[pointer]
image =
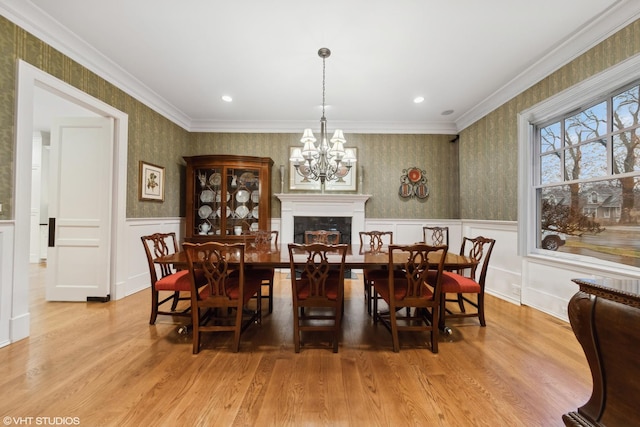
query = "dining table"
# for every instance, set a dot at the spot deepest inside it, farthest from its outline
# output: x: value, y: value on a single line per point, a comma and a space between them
x: 358, y: 257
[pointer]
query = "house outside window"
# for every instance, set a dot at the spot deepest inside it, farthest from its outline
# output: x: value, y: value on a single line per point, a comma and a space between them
x: 586, y: 179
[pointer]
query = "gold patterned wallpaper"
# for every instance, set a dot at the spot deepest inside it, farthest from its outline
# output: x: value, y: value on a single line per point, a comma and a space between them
x: 489, y: 147
x: 474, y: 178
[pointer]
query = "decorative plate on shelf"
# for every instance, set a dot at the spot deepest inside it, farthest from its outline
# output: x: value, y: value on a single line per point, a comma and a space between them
x: 228, y: 212
x: 206, y: 196
x: 215, y: 179
x: 242, y: 196
x: 219, y: 196
x: 242, y: 211
x: 247, y: 178
x: 204, y: 211
x: 255, y: 196
x: 255, y: 212
x: 254, y: 226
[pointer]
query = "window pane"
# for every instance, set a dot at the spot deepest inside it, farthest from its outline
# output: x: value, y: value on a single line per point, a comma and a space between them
x: 597, y: 219
x: 550, y: 169
x: 626, y: 151
x: 550, y: 138
x: 587, y: 160
x: 625, y: 109
x: 586, y: 125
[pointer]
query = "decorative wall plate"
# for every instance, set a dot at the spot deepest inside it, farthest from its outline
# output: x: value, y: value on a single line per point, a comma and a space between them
x: 414, y: 175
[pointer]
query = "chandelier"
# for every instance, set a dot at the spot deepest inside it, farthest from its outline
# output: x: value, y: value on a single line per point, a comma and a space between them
x: 323, y: 162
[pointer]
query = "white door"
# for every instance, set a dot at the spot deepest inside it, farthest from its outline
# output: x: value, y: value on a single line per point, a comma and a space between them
x: 80, y: 192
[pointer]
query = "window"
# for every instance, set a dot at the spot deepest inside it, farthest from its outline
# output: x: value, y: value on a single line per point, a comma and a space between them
x: 586, y: 185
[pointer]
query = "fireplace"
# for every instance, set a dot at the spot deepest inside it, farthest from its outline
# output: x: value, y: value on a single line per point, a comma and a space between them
x: 303, y: 223
x: 325, y: 210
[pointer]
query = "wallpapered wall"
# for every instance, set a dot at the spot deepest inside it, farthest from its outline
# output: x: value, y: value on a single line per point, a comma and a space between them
x: 383, y: 157
x: 152, y: 137
x: 484, y: 186
x: 488, y: 148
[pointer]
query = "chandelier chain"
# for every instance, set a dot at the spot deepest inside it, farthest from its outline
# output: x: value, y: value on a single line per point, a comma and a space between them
x: 323, y: 84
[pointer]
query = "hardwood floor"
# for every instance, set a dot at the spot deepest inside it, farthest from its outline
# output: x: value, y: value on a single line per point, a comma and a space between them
x: 103, y: 363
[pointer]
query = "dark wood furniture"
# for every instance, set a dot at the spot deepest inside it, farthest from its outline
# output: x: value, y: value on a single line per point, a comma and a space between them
x: 479, y: 248
x: 416, y: 287
x: 227, y: 196
x: 374, y: 241
x: 227, y: 287
x: 317, y: 291
x: 435, y: 235
x: 164, y: 277
x: 606, y: 322
x: 356, y: 258
x: 329, y: 237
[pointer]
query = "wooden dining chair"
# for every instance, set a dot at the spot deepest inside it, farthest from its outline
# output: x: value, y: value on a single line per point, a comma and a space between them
x: 329, y: 237
x: 227, y: 287
x: 374, y: 242
x: 318, y: 290
x: 415, y: 289
x: 470, y: 281
x: 265, y: 240
x: 165, y: 278
x: 435, y: 235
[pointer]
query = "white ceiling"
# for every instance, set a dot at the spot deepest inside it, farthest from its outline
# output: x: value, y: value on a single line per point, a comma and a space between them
x: 468, y: 56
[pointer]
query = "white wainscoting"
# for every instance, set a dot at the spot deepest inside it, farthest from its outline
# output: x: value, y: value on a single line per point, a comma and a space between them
x: 6, y: 282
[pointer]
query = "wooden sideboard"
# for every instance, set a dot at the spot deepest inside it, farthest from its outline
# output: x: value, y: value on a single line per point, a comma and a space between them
x: 606, y: 322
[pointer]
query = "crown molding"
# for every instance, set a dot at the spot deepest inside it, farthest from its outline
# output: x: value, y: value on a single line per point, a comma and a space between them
x: 447, y: 128
x: 618, y: 16
x: 35, y: 21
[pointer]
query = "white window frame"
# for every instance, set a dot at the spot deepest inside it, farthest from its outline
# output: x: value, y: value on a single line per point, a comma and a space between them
x: 577, y: 96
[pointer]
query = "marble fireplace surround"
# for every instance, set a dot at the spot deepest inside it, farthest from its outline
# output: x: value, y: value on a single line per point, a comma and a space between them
x: 321, y: 205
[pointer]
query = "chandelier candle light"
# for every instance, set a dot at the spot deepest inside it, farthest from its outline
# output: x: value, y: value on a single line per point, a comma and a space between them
x: 321, y: 162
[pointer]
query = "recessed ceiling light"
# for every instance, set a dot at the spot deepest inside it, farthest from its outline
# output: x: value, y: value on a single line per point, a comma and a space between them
x: 418, y: 99
x: 447, y: 112
x: 227, y: 98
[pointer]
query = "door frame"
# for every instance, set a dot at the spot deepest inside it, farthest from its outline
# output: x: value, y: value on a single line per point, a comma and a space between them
x: 28, y: 78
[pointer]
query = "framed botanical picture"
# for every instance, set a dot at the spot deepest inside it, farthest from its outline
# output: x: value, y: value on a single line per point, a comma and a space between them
x: 151, y: 182
x: 298, y: 181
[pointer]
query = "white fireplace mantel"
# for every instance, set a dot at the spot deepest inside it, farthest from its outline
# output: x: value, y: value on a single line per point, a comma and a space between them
x: 328, y: 205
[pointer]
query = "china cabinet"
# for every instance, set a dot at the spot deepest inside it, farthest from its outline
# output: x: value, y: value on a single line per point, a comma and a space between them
x: 227, y: 196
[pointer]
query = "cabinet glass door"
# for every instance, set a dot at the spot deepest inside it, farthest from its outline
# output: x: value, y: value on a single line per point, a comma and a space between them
x: 243, y: 195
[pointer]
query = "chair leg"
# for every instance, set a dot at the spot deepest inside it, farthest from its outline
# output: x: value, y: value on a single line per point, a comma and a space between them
x: 394, y: 330
x: 271, y: 296
x: 461, y: 303
x: 195, y: 321
x: 375, y: 306
x: 435, y: 320
x: 176, y: 298
x: 238, y: 328
x: 481, y: 310
x: 154, y: 306
x: 296, y: 329
x: 336, y: 331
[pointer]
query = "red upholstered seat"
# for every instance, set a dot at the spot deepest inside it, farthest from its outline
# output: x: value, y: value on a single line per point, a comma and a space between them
x: 454, y: 283
x: 179, y: 281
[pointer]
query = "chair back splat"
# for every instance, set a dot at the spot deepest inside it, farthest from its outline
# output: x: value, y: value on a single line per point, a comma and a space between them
x: 228, y: 288
x: 471, y: 281
x: 318, y: 291
x: 417, y: 288
x: 329, y: 237
x: 435, y: 235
